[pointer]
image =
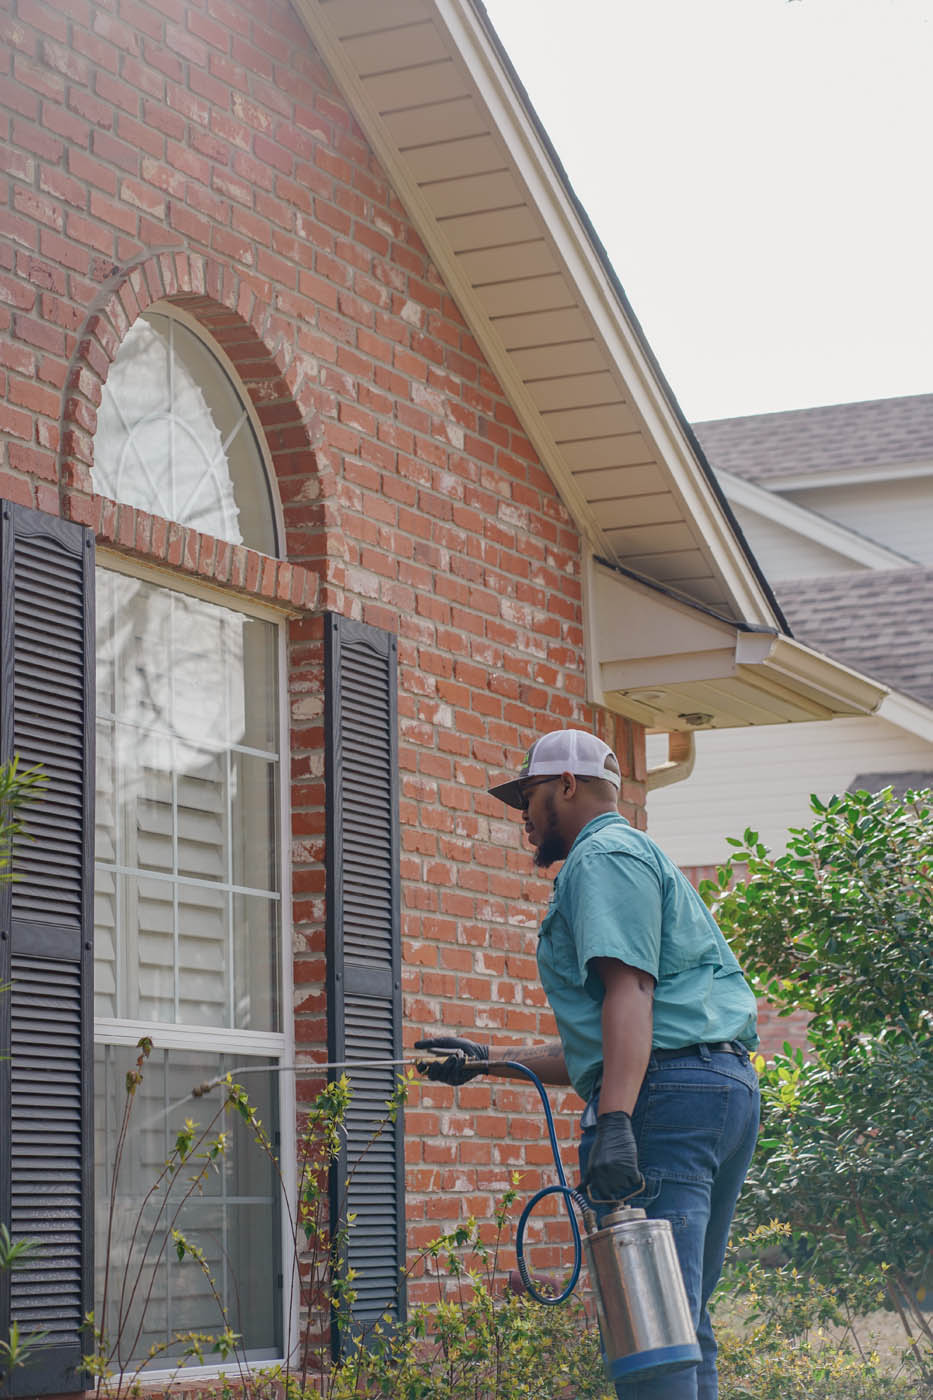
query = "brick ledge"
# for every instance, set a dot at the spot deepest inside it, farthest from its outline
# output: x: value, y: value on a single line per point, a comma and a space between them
x: 154, y: 540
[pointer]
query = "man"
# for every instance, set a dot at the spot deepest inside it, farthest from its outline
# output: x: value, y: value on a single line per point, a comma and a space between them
x: 655, y: 1020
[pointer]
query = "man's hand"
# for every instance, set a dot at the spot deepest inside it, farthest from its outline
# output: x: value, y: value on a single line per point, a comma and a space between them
x: 466, y: 1061
x: 612, y: 1172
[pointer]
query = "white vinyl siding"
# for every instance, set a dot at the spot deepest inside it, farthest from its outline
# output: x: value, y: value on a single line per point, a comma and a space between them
x: 762, y: 777
x: 783, y: 553
x: 897, y: 514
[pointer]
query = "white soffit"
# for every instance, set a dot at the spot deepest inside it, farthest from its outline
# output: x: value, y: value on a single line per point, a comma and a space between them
x: 436, y: 103
x: 671, y: 665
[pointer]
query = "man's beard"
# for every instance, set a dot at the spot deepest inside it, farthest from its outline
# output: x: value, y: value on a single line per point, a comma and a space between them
x: 552, y: 845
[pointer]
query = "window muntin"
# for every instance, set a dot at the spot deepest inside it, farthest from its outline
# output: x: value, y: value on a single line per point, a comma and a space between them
x: 175, y: 436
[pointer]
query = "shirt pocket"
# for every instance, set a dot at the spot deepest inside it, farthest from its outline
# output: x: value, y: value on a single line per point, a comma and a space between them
x: 558, y: 951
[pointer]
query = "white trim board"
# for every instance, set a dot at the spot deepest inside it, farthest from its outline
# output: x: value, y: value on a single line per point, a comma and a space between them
x: 850, y: 476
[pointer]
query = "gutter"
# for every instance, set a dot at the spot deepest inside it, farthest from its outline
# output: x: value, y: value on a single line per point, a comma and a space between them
x: 681, y: 756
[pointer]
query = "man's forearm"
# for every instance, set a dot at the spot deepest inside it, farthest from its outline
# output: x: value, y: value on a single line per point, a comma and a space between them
x: 547, y: 1062
x: 627, y: 1019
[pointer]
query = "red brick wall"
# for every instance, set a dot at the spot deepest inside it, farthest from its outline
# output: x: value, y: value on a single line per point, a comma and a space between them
x: 196, y: 151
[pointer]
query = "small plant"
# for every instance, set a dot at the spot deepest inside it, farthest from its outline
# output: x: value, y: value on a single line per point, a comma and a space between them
x: 476, y: 1341
x: 115, y: 1363
x: 768, y: 1364
x: 16, y: 1350
x: 18, y: 789
x: 197, y: 1151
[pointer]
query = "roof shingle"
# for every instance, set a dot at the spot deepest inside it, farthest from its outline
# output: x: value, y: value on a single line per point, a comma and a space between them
x: 768, y: 446
x: 877, y: 621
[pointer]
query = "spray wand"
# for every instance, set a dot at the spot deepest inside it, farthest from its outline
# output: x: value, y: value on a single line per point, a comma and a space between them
x: 568, y: 1193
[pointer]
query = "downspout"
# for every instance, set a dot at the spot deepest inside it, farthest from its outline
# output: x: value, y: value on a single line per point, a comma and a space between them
x: 681, y: 756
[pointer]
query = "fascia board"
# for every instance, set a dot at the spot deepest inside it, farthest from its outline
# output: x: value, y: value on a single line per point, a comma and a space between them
x: 684, y: 668
x: 910, y: 715
x: 809, y: 524
x: 583, y: 269
x: 849, y: 476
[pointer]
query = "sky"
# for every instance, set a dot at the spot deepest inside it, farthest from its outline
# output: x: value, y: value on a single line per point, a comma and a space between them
x: 761, y: 174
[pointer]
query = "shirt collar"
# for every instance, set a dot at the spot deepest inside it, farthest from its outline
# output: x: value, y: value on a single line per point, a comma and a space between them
x: 597, y: 824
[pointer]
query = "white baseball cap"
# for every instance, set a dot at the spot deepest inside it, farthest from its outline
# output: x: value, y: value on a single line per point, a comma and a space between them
x: 562, y: 751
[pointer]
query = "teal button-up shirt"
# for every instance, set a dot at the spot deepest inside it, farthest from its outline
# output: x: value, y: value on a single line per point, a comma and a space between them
x: 618, y: 895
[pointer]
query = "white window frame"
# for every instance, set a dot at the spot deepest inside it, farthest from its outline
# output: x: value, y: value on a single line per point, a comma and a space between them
x: 278, y: 1045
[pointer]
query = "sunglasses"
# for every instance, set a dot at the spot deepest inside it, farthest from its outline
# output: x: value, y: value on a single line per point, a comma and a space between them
x: 526, y: 788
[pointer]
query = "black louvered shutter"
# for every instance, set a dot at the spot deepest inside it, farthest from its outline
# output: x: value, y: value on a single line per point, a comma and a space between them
x: 363, y: 948
x: 46, y: 717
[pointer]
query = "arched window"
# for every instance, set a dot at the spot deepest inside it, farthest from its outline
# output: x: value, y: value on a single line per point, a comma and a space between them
x: 191, y: 900
x: 176, y: 435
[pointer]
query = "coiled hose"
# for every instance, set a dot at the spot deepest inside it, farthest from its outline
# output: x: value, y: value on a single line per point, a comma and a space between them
x: 568, y: 1193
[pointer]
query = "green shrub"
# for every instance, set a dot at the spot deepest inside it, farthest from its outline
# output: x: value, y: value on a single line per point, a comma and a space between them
x: 841, y: 926
x: 767, y: 1364
x: 480, y: 1346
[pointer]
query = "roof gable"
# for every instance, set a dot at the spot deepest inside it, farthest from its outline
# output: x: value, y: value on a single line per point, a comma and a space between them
x: 846, y: 545
x: 442, y: 108
x: 446, y: 115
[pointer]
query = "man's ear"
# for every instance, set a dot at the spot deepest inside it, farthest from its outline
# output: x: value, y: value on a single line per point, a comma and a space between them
x: 568, y: 784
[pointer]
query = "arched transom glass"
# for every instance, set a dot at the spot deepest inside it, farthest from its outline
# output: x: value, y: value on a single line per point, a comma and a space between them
x: 175, y: 437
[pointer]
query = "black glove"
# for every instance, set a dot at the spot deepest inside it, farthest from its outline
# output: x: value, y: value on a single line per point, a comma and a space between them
x: 467, y: 1061
x: 612, y: 1167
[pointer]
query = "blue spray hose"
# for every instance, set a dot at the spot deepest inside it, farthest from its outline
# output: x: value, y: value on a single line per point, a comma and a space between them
x: 568, y: 1193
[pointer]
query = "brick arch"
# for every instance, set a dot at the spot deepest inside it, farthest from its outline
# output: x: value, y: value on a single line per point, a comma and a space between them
x: 261, y: 345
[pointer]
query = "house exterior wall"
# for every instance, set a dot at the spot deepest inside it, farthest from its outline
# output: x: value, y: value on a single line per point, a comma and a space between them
x: 895, y: 514
x: 782, y: 553
x: 198, y: 153
x: 763, y: 778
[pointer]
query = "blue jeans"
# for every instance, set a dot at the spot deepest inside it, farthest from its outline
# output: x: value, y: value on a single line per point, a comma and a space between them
x: 695, y: 1122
